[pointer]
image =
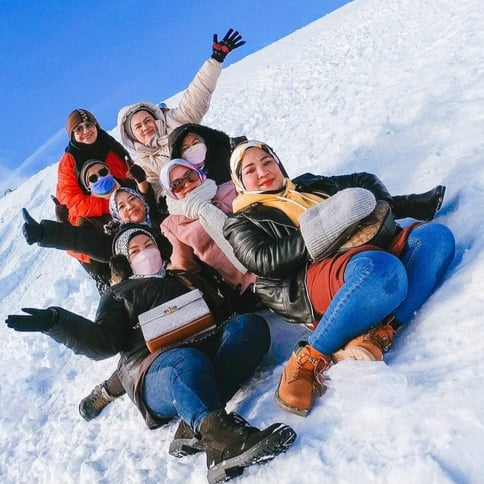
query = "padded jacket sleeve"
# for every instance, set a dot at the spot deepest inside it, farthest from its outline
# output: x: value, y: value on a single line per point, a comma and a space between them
x: 81, y: 239
x: 97, y: 340
x: 333, y: 184
x: 196, y: 99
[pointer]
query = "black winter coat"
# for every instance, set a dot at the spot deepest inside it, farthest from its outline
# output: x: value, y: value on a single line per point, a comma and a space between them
x: 266, y: 241
x: 115, y: 330
x: 217, y: 164
x: 86, y: 239
x: 90, y: 238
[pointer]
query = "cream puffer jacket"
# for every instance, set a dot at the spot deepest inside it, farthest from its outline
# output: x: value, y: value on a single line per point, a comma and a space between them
x: 192, y: 107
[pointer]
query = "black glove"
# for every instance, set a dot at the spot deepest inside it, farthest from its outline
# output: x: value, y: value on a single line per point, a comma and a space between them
x: 32, y: 230
x: 61, y: 210
x: 37, y: 319
x: 231, y: 41
x: 136, y: 172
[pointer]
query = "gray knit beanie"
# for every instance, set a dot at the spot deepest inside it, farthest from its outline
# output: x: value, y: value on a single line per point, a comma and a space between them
x: 121, y: 241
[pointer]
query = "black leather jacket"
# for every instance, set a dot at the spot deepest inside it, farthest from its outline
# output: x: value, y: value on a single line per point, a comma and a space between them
x: 269, y: 245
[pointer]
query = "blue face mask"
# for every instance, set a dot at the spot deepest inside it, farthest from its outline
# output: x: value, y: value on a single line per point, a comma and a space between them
x: 103, y: 185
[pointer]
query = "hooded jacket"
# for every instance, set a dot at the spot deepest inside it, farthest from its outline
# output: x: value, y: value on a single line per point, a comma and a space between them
x: 191, y: 243
x: 192, y: 107
x: 217, y: 159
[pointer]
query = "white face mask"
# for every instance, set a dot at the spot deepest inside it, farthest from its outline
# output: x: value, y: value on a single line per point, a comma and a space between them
x: 147, y: 262
x: 196, y: 154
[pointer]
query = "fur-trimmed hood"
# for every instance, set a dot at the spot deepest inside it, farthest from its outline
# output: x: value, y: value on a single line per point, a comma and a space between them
x: 124, y: 117
x: 217, y: 165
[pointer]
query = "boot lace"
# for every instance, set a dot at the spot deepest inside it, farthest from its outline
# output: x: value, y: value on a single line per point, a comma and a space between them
x: 98, y: 398
x: 381, y: 334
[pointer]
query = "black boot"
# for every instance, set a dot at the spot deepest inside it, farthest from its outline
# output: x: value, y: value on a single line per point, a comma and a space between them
x: 422, y: 206
x: 187, y: 442
x: 232, y: 445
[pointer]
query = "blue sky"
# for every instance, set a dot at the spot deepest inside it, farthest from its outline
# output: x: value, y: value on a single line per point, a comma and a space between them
x: 102, y: 55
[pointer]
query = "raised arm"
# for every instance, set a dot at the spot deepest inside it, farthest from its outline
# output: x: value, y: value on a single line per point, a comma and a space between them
x: 196, y: 99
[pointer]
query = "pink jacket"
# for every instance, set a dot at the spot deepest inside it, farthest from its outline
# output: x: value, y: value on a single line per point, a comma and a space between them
x: 190, y: 241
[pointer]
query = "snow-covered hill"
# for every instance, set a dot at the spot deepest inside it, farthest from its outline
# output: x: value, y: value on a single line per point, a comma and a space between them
x: 394, y: 87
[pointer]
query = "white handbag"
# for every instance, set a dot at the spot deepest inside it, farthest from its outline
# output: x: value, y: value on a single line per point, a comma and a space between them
x: 176, y: 320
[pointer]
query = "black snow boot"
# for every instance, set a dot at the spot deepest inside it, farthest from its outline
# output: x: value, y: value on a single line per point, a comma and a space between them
x: 187, y: 442
x: 232, y: 445
x: 422, y: 206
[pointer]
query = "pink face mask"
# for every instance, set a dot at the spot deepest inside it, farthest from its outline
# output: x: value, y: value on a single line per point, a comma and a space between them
x: 196, y: 154
x: 147, y: 262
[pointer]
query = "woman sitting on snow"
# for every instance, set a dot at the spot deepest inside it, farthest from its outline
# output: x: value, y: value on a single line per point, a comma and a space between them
x: 125, y: 206
x: 80, y: 200
x: 290, y: 235
x: 198, y: 209
x: 191, y: 380
x: 199, y: 196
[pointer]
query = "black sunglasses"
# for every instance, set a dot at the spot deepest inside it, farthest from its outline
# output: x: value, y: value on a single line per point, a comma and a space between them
x: 102, y: 172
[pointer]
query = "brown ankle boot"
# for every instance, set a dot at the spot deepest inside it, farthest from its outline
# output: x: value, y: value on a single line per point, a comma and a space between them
x: 369, y: 346
x: 301, y: 379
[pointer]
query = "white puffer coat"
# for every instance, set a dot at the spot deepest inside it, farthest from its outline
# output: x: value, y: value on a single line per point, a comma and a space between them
x: 192, y: 107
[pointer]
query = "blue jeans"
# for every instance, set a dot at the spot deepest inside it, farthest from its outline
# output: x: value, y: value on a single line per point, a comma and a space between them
x: 378, y: 283
x: 193, y: 382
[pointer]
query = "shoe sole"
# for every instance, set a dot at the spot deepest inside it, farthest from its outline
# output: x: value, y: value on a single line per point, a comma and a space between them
x: 183, y: 447
x: 273, y: 444
x: 88, y: 416
x: 301, y: 412
x: 441, y: 198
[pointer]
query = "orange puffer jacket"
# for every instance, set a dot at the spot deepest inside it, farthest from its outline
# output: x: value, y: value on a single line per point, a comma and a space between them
x: 79, y: 203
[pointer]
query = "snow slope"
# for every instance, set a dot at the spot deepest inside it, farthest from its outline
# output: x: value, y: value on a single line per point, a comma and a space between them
x: 393, y: 87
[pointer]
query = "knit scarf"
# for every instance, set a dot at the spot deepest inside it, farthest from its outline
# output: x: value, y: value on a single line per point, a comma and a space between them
x: 98, y: 150
x: 211, y: 218
x: 288, y: 200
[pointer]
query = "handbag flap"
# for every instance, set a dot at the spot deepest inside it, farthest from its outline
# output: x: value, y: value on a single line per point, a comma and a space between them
x: 173, y: 314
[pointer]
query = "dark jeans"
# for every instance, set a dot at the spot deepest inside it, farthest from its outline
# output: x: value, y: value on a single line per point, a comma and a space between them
x: 193, y: 382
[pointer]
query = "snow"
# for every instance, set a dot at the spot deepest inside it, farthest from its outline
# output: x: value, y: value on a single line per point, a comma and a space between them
x: 393, y: 87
